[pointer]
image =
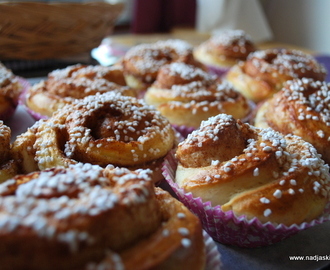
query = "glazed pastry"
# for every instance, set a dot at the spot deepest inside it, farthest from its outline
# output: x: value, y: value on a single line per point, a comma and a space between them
x: 224, y: 49
x: 10, y: 89
x: 100, y: 129
x: 187, y: 95
x: 142, y: 62
x: 8, y: 166
x: 86, y: 217
x: 264, y: 72
x: 256, y: 173
x: 73, y: 82
x: 302, y: 108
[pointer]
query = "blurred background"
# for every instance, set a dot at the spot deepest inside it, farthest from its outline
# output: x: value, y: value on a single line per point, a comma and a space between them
x: 301, y: 23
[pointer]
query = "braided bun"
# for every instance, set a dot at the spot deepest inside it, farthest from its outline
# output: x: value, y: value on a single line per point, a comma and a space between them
x: 253, y: 172
x: 10, y: 89
x: 187, y: 95
x: 225, y: 48
x: 101, y: 129
x: 8, y: 166
x: 86, y: 217
x: 63, y: 86
x: 264, y: 72
x: 142, y: 62
x: 302, y: 108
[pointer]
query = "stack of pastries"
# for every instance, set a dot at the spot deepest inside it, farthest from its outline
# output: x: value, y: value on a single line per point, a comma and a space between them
x: 103, y: 145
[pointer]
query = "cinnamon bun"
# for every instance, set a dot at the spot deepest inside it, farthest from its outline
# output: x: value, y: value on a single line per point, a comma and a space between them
x: 63, y: 86
x: 10, y: 89
x: 224, y: 49
x: 301, y: 108
x: 142, y: 62
x: 258, y: 173
x: 87, y: 217
x: 100, y: 129
x: 265, y: 71
x: 187, y: 95
x: 8, y: 166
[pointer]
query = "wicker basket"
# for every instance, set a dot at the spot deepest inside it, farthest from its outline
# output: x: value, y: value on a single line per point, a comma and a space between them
x: 39, y: 30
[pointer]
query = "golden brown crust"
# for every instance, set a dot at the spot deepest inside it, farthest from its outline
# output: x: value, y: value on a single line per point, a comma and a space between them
x: 63, y: 86
x: 8, y: 166
x: 142, y: 62
x: 86, y: 217
x: 100, y: 129
x: 10, y: 89
x: 274, y: 177
x: 225, y: 48
x: 187, y: 95
x: 301, y: 108
x: 264, y: 72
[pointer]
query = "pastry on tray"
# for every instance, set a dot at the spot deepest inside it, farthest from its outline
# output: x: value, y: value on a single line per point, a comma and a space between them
x: 302, y: 108
x: 186, y: 95
x: 224, y: 49
x: 87, y: 217
x: 100, y: 129
x: 142, y: 62
x: 10, y: 89
x: 8, y: 166
x: 249, y: 186
x: 265, y: 71
x: 63, y: 86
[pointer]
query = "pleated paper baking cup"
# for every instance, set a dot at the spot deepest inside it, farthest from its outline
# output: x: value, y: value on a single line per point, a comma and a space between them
x: 9, y: 112
x: 213, y: 257
x: 22, y: 102
x: 219, y: 71
x: 226, y: 227
x: 183, y: 130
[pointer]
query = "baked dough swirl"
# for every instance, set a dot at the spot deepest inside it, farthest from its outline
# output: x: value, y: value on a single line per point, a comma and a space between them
x: 87, y: 217
x: 10, y: 89
x: 142, y: 62
x: 253, y: 172
x: 63, y: 86
x: 187, y: 95
x: 101, y: 129
x: 301, y: 108
x: 265, y: 71
x: 225, y: 48
x: 8, y: 166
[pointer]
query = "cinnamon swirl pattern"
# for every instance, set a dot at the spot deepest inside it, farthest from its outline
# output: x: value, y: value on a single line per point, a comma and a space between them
x: 224, y: 49
x: 265, y: 71
x: 10, y: 89
x: 63, y: 86
x: 142, y: 62
x: 302, y: 108
x: 258, y: 173
x: 187, y: 95
x: 100, y: 129
x: 8, y: 166
x: 87, y: 217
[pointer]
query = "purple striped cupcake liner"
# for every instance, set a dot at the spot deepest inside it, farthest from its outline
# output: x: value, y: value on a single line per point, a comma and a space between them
x: 226, y: 227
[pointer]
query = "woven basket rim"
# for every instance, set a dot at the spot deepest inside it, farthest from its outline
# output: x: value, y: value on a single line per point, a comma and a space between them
x: 44, y: 30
